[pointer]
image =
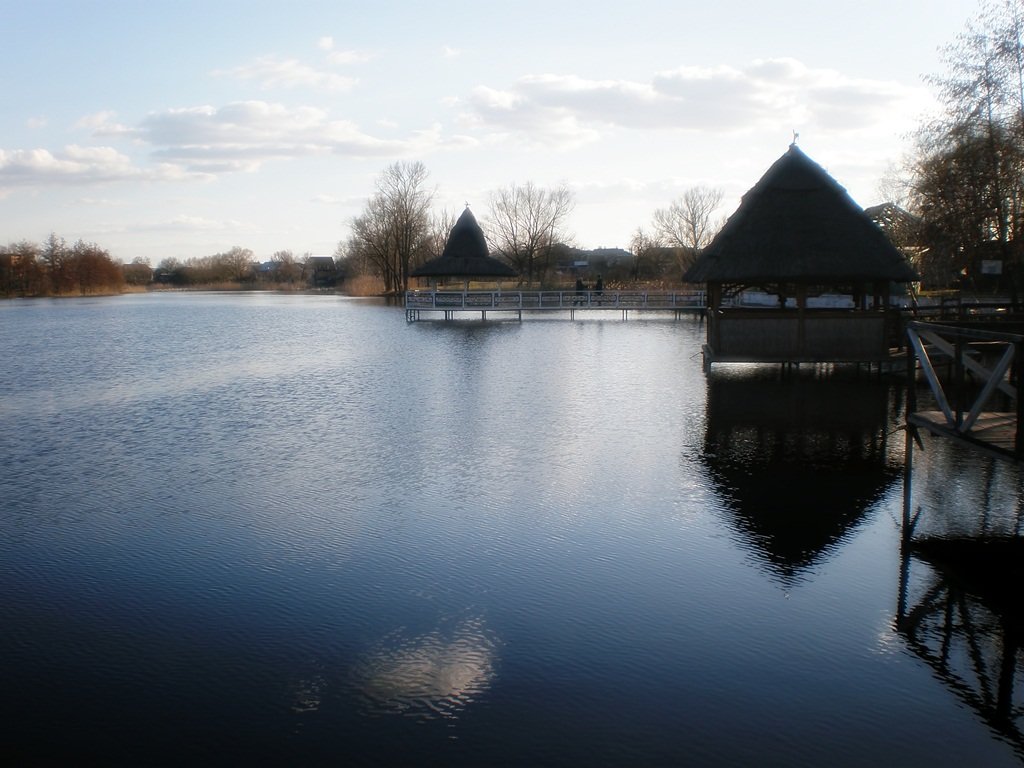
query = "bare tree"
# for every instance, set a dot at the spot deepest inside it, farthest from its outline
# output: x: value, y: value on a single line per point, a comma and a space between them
x: 56, y: 256
x: 394, y: 227
x: 643, y: 247
x: 94, y: 270
x: 238, y: 262
x: 687, y: 225
x: 440, y: 227
x: 287, y: 268
x: 525, y: 222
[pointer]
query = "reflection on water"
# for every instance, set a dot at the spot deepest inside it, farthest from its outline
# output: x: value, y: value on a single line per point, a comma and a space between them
x: 798, y: 457
x: 960, y: 611
x: 336, y: 538
x: 438, y: 673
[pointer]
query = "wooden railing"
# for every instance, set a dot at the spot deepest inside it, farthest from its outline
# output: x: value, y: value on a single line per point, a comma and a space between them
x: 517, y: 301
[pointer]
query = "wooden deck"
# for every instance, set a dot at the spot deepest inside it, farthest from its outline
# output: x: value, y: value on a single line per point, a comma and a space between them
x: 513, y: 304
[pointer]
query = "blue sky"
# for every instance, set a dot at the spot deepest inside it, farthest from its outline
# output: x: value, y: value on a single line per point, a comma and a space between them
x: 180, y: 129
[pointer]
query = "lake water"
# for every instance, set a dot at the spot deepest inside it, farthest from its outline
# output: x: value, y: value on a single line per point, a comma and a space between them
x: 294, y: 530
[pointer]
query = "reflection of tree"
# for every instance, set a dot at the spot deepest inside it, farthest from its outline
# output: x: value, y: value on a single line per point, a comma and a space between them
x: 964, y: 619
x: 797, y: 459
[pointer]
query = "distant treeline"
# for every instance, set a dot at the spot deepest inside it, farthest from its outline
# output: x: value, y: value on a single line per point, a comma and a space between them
x: 238, y: 267
x: 55, y: 268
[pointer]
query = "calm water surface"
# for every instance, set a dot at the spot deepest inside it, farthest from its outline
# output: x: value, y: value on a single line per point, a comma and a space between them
x: 294, y: 530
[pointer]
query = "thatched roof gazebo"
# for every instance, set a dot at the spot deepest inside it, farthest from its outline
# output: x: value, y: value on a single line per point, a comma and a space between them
x: 797, y: 234
x: 465, y: 256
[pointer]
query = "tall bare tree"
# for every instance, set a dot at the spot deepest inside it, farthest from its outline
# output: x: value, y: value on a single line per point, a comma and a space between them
x: 688, y: 224
x: 525, y: 222
x: 394, y: 228
x: 968, y: 168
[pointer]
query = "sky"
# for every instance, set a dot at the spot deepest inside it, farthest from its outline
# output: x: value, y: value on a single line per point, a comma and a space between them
x: 182, y: 129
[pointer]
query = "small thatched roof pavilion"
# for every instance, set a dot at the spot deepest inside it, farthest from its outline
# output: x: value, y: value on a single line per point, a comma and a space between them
x: 465, y: 255
x: 798, y: 234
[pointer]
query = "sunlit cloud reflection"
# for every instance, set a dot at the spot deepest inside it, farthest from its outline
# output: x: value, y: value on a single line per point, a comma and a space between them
x: 433, y: 675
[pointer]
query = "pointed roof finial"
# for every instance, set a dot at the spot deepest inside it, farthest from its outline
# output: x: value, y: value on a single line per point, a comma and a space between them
x: 796, y: 136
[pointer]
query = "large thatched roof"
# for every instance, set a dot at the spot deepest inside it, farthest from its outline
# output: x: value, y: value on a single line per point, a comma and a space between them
x: 798, y: 225
x: 465, y: 254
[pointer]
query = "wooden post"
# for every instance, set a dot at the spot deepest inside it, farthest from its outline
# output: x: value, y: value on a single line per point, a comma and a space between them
x: 958, y: 380
x: 1018, y: 365
x: 801, y: 320
x: 908, y: 470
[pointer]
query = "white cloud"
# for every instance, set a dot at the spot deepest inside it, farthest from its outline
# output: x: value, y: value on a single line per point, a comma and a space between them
x: 448, y: 52
x: 101, y: 202
x: 507, y: 113
x: 273, y: 72
x: 724, y: 99
x: 325, y: 43
x: 327, y: 199
x: 78, y: 165
x: 348, y: 57
x: 102, y: 124
x: 242, y: 135
x: 36, y: 122
x: 188, y: 223
x: 197, y: 143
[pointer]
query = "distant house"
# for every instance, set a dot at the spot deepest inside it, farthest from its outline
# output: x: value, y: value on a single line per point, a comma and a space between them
x: 320, y: 271
x: 798, y: 234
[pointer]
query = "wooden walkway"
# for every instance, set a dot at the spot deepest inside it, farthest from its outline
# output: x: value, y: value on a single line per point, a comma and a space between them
x: 449, y: 305
x: 973, y: 376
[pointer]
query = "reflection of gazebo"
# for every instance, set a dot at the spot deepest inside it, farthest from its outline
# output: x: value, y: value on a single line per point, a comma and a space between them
x: 797, y: 234
x: 797, y: 460
x: 465, y: 256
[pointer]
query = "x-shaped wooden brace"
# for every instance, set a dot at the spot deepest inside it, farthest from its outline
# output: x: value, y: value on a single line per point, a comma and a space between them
x: 994, y: 378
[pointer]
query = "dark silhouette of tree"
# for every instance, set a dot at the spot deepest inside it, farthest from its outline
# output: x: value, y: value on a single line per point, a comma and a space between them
x: 21, y: 273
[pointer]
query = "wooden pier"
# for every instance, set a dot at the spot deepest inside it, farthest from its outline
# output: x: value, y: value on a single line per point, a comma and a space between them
x: 449, y: 305
x: 973, y: 376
